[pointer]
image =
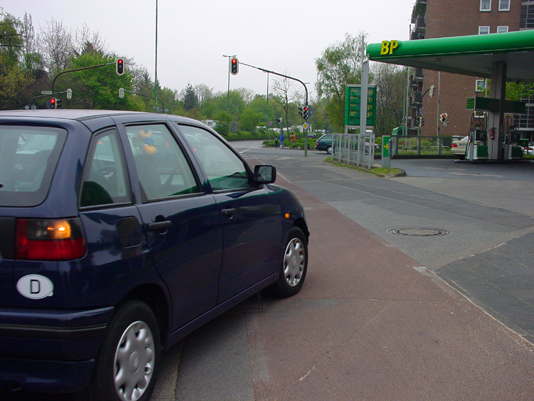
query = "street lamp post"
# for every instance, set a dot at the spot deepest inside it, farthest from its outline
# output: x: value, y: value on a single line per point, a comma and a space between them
x: 229, y: 57
x: 156, y: 60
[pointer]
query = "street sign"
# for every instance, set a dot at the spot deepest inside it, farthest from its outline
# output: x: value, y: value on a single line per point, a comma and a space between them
x: 69, y: 94
x: 46, y: 92
x: 352, y: 105
x: 121, y: 93
x: 305, y: 125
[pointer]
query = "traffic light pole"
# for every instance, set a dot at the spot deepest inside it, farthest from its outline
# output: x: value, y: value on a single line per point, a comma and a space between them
x: 306, y: 97
x: 91, y: 67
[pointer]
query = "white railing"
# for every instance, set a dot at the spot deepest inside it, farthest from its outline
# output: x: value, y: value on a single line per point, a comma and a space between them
x: 354, y: 149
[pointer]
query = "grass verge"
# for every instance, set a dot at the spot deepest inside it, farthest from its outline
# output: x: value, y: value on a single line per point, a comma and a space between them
x: 378, y: 171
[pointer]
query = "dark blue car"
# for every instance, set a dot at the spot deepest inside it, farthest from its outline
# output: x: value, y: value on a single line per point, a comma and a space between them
x: 121, y: 233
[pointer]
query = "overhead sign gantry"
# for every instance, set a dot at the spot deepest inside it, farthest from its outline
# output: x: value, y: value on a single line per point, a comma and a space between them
x: 501, y: 57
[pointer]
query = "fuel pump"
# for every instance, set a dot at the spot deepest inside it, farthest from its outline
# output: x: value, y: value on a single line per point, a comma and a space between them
x: 477, y: 145
x: 511, y: 141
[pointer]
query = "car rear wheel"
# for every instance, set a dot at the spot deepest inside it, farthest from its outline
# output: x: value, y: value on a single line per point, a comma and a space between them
x: 294, y: 264
x: 127, y: 365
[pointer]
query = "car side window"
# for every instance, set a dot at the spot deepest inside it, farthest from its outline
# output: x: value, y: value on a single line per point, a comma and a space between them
x: 161, y: 165
x: 105, y: 181
x: 224, y: 170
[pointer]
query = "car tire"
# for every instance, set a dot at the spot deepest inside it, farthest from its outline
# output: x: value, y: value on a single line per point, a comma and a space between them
x: 294, y: 265
x: 132, y: 345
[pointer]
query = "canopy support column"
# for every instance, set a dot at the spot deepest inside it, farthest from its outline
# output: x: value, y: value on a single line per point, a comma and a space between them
x: 496, y: 120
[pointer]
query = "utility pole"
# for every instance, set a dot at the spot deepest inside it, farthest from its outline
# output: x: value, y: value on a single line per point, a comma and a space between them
x: 156, y: 60
x: 267, y: 87
x: 229, y: 60
x: 438, y: 112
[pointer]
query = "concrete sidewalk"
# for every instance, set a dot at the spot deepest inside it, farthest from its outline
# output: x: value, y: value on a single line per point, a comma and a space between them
x: 370, y: 324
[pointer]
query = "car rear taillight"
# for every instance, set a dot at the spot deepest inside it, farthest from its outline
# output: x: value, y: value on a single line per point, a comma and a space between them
x: 49, y: 239
x: 454, y: 145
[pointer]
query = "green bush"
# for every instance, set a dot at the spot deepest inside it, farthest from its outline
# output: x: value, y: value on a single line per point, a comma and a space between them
x: 245, y: 136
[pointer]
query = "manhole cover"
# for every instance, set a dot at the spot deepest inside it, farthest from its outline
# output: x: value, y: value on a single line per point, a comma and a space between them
x: 419, y: 231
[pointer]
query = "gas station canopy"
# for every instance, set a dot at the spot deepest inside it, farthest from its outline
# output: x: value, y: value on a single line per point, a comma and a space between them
x: 475, y: 55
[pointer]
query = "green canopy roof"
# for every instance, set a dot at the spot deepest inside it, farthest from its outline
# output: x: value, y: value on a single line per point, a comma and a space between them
x: 470, y: 55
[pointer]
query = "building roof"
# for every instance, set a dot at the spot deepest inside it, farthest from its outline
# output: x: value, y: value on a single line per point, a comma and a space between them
x: 474, y: 55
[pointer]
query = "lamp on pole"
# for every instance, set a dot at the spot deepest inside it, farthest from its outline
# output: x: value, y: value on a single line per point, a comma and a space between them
x: 229, y: 57
x: 156, y: 60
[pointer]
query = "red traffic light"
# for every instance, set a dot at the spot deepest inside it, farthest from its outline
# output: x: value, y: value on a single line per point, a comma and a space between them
x: 234, y: 65
x: 119, y: 66
x: 52, y: 103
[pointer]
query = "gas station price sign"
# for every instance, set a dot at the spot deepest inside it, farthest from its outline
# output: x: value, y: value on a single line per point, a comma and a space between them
x: 353, y: 103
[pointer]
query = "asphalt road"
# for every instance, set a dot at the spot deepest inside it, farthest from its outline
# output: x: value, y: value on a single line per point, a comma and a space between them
x: 382, y: 316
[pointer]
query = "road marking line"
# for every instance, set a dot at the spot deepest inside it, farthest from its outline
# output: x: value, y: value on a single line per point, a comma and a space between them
x: 307, y: 374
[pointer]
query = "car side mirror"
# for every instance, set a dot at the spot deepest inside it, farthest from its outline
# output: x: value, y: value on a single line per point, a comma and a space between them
x: 264, y: 174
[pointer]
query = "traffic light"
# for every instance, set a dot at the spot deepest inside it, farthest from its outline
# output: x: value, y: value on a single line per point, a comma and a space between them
x: 234, y: 65
x: 119, y: 66
x: 52, y: 103
x: 306, y: 112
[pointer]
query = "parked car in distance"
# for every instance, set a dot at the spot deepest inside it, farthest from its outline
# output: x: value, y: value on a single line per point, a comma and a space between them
x: 122, y: 232
x: 324, y: 142
x: 459, y: 145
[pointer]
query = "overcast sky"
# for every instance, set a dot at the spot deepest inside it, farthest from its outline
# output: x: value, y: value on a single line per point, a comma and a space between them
x: 282, y: 35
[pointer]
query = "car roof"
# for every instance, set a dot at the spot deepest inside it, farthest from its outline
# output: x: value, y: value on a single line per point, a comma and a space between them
x: 86, y: 114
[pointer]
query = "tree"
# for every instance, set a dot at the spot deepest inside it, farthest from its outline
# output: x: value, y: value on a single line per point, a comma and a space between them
x: 391, y: 83
x: 338, y: 66
x: 13, y: 79
x: 57, y: 47
x: 204, y: 93
x: 281, y: 88
x: 250, y: 119
x: 190, y: 98
x: 519, y: 90
x: 97, y: 88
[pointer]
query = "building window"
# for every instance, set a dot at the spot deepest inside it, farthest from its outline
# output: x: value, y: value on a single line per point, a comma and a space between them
x: 485, y: 5
x: 502, y: 29
x: 527, y: 15
x: 483, y: 30
x: 480, y: 85
x: 525, y: 122
x: 504, y: 5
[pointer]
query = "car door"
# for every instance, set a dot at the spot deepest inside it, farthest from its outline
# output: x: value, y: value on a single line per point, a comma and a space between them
x: 111, y: 222
x: 184, y: 240
x: 251, y: 213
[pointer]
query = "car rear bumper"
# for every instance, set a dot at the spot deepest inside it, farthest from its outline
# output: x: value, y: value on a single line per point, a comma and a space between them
x: 44, y: 376
x: 50, y: 351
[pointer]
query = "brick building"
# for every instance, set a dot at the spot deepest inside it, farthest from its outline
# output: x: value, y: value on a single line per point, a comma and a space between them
x: 442, y: 18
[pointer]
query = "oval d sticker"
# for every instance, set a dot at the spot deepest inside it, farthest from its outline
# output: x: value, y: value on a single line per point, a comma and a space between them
x: 35, y: 286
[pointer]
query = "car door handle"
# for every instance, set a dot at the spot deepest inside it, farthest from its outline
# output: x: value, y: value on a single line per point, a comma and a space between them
x: 230, y: 213
x: 160, y: 225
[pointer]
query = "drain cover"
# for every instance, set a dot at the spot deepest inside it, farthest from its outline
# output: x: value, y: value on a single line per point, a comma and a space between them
x: 419, y: 231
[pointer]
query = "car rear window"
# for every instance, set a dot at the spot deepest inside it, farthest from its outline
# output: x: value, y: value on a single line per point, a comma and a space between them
x: 28, y: 157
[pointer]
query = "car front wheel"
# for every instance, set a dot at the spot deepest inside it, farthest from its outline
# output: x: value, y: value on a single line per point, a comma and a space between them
x: 294, y: 264
x: 126, y: 367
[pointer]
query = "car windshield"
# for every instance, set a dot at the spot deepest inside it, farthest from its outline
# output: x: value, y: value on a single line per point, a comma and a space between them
x: 28, y: 156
